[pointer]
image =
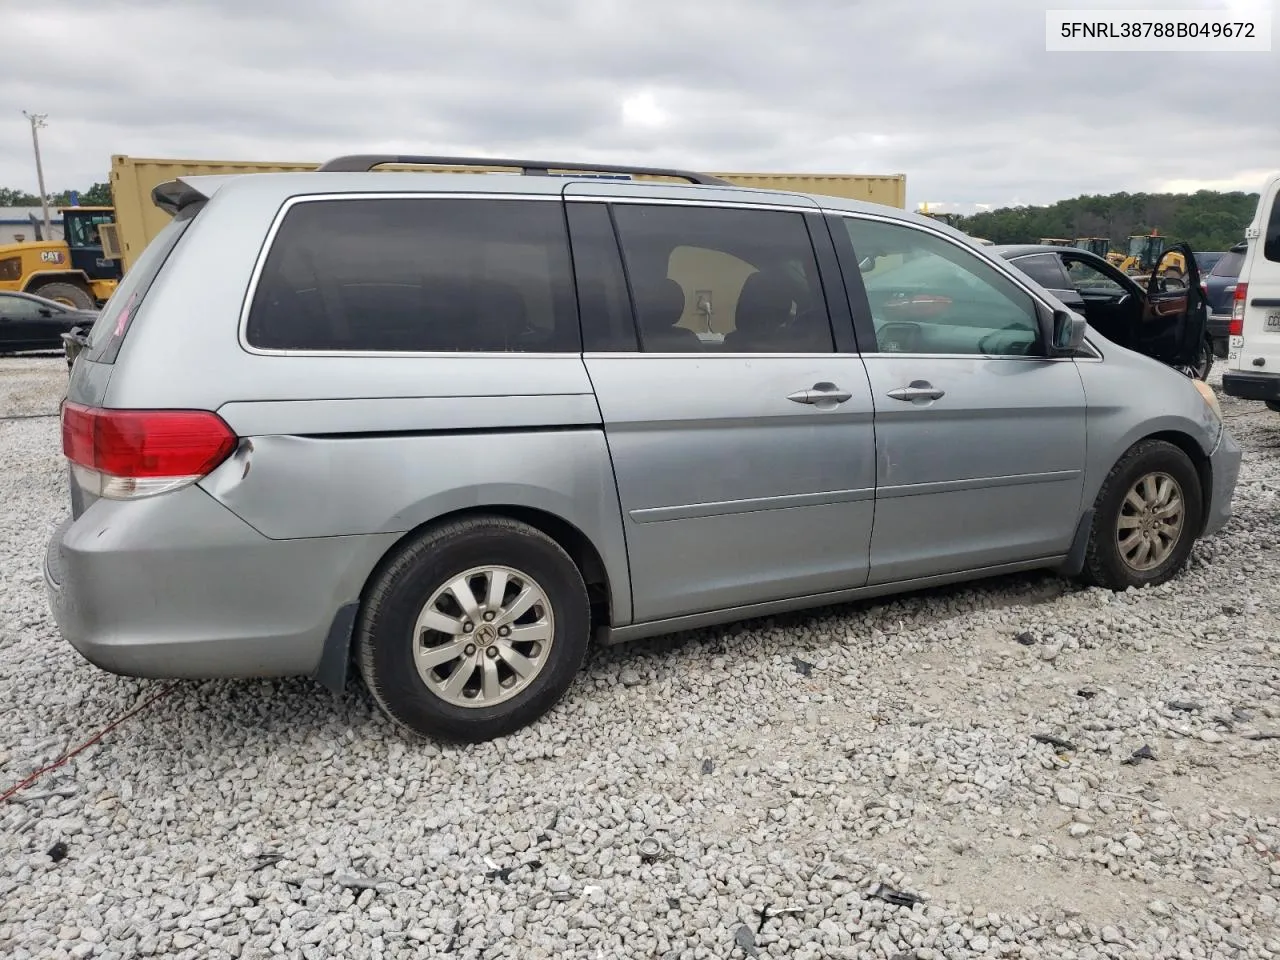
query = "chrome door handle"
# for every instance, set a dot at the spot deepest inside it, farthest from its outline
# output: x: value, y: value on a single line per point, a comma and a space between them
x: 917, y: 390
x: 821, y: 393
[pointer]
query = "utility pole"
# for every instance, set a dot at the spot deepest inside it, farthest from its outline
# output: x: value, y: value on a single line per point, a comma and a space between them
x: 37, y: 121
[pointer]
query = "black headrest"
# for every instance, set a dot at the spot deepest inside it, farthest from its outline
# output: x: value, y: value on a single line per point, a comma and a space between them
x: 661, y: 304
x: 764, y: 304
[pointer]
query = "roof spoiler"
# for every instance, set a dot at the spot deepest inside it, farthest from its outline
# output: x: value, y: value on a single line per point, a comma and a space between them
x: 365, y: 162
x: 172, y: 195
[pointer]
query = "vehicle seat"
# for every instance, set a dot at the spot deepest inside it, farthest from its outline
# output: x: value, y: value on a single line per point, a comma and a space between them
x: 659, y: 307
x: 764, y: 306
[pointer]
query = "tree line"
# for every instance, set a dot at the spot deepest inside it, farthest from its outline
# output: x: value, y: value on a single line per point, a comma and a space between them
x: 98, y: 195
x: 1206, y: 219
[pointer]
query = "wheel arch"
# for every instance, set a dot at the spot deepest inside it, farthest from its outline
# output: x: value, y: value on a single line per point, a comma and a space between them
x: 38, y: 279
x: 336, y: 656
x: 1199, y: 459
x: 585, y: 555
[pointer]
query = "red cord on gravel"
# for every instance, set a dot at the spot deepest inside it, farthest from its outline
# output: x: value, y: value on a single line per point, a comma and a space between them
x: 19, y: 787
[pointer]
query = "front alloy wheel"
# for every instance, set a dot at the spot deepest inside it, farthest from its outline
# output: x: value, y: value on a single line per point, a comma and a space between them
x: 1145, y: 519
x: 1150, y: 522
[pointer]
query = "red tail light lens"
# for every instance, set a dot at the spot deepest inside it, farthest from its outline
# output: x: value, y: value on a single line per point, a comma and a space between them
x: 1236, y: 329
x: 124, y: 454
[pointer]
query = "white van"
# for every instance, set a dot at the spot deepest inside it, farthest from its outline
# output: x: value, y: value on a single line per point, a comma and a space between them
x: 1253, y: 357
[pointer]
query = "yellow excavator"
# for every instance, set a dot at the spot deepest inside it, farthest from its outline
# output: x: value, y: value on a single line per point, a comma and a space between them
x: 1145, y: 251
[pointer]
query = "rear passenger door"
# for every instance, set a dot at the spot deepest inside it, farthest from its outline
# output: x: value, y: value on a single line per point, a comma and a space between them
x: 736, y: 410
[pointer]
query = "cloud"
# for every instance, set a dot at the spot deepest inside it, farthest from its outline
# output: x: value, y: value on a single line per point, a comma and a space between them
x: 961, y: 97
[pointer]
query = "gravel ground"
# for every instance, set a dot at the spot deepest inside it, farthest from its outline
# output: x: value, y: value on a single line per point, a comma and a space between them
x: 814, y: 766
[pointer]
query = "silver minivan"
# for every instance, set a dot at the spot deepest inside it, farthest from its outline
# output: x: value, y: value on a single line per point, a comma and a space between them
x: 452, y: 427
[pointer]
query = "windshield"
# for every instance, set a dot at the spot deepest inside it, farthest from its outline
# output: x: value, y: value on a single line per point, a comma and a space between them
x: 1137, y: 246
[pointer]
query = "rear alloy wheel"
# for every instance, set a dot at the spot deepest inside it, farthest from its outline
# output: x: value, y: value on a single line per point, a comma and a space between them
x: 474, y: 630
x: 1146, y: 518
x: 67, y: 294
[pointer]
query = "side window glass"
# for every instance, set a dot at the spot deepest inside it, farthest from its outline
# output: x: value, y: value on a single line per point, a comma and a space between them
x: 1271, y: 240
x: 928, y: 295
x: 19, y: 308
x: 723, y: 280
x: 1045, y: 269
x: 1087, y: 277
x: 418, y: 275
x: 605, y: 306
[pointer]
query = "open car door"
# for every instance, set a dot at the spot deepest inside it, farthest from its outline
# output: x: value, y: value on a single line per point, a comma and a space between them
x: 1175, y: 316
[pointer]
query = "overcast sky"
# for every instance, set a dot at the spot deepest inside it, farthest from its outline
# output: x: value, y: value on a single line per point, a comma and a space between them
x: 960, y: 95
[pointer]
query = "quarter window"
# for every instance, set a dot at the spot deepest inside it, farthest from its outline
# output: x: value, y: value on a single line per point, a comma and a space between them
x: 418, y: 275
x: 928, y: 295
x: 1045, y: 269
x: 723, y: 280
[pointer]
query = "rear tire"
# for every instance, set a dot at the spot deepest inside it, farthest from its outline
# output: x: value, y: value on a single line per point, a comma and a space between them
x: 474, y: 630
x: 69, y: 294
x: 1146, y: 518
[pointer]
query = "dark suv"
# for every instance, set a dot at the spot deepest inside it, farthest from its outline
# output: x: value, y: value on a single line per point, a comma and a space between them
x: 1219, y: 288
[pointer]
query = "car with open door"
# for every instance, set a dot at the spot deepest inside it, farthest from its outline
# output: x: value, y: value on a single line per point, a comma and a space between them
x: 1164, y: 317
x: 28, y: 322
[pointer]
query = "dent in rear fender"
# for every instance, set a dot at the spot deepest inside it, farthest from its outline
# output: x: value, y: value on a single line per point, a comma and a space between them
x: 179, y: 572
x: 293, y: 487
x: 1130, y: 397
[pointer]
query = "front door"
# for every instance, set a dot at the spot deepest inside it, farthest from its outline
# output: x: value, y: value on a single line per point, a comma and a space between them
x: 739, y: 419
x: 1113, y: 303
x: 980, y: 440
x: 1173, y: 324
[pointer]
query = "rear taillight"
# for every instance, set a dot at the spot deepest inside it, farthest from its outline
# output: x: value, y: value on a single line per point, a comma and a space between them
x: 125, y: 454
x: 1236, y: 329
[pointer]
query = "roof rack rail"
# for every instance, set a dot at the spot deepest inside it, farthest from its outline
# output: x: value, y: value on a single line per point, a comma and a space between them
x: 364, y: 162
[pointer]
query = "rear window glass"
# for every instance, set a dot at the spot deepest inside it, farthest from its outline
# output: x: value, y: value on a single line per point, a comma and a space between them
x: 418, y: 275
x: 109, y: 330
x: 1228, y: 266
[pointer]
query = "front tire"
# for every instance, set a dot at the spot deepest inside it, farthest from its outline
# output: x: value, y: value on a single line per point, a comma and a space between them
x: 68, y: 294
x: 474, y: 630
x: 1146, y: 518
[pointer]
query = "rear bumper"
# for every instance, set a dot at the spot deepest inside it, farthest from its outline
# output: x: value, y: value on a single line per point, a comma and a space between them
x: 1251, y: 386
x: 1218, y: 325
x: 1224, y: 465
x: 177, y: 586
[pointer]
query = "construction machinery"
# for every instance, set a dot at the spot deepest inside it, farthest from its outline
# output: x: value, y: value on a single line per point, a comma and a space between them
x: 139, y: 220
x: 1098, y: 246
x: 1144, y: 252
x: 1055, y: 242
x: 81, y: 270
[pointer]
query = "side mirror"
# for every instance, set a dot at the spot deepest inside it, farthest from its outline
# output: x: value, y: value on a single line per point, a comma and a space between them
x: 1068, y: 331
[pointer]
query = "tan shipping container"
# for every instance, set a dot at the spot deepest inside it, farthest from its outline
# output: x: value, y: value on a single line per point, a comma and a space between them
x: 139, y: 220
